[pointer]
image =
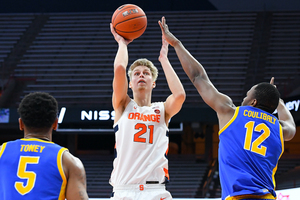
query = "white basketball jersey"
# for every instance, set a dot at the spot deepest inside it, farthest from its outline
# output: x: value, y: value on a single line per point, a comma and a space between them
x: 141, y: 145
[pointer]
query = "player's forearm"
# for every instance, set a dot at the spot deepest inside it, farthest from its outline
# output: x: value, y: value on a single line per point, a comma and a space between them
x: 121, y: 58
x: 286, y: 120
x: 173, y: 80
x: 283, y: 113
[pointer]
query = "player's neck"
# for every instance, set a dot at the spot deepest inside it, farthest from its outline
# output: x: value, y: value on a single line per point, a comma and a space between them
x: 143, y: 102
x: 45, y: 137
x: 142, y: 98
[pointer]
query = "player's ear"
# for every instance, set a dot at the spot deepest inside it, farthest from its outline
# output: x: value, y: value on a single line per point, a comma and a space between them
x: 253, y: 102
x: 130, y: 84
x: 153, y: 84
x: 21, y: 124
x: 55, y: 124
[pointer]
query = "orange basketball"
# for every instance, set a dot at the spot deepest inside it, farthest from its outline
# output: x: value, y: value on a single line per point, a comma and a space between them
x: 129, y: 21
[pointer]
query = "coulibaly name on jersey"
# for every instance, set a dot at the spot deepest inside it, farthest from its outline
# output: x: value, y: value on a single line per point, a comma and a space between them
x: 260, y: 115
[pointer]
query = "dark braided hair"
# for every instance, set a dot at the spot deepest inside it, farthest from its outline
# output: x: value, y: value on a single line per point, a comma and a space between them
x: 38, y: 110
x: 267, y: 97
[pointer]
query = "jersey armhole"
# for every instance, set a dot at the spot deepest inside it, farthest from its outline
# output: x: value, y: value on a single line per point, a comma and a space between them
x: 62, y: 174
x: 231, y: 120
x: 2, y: 148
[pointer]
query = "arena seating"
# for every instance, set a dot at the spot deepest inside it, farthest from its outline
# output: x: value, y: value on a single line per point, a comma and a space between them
x: 283, y: 50
x: 287, y: 175
x: 72, y: 57
x: 12, y: 27
x: 186, y: 175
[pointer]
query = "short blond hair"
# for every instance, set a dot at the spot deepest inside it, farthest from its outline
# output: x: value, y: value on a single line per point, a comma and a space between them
x: 144, y: 62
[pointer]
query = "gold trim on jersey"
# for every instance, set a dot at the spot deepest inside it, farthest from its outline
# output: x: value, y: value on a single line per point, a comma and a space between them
x: 232, y: 119
x: 282, y: 150
x: 62, y: 174
x: 36, y: 139
x: 2, y: 149
x: 249, y: 196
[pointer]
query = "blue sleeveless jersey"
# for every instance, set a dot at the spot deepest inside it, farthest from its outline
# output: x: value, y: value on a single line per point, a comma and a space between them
x: 250, y: 146
x: 32, y: 169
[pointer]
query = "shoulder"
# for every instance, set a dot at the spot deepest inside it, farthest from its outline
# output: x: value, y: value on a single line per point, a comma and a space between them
x: 288, y: 130
x: 160, y: 103
x: 2, y: 148
x: 71, y: 163
x: 227, y: 114
x: 72, y: 160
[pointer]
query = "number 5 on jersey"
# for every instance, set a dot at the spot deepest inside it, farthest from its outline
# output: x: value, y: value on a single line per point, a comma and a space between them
x: 23, y: 174
x: 143, y: 129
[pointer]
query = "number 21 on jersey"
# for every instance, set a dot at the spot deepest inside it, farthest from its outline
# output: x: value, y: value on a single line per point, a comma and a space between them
x: 254, y: 146
x: 142, y: 130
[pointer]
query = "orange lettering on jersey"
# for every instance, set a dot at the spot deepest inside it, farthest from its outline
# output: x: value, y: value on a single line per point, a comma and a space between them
x: 142, y: 117
x: 158, y: 118
x: 153, y: 118
x: 146, y: 118
x: 137, y: 116
x: 141, y: 187
x: 131, y: 115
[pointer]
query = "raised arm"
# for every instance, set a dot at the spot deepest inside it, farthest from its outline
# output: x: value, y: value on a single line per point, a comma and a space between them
x: 76, y: 177
x: 221, y: 103
x: 285, y: 119
x: 174, y: 102
x: 120, y: 82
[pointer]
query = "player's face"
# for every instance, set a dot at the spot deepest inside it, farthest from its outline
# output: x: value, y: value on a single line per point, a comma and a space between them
x: 249, y: 97
x: 142, y: 77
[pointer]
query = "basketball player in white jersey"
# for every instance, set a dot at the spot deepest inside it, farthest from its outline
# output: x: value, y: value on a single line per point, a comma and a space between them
x: 141, y: 127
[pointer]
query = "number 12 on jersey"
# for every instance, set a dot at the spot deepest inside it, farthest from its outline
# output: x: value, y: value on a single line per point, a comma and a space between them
x: 254, y: 146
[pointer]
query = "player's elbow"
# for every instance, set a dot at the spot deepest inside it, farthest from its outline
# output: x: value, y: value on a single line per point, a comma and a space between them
x: 180, y: 96
x: 290, y: 133
x: 199, y: 77
x: 119, y: 68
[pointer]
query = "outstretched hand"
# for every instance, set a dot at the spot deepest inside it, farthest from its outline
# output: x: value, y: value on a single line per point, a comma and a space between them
x: 169, y: 37
x: 272, y: 81
x: 164, y: 49
x: 118, y: 37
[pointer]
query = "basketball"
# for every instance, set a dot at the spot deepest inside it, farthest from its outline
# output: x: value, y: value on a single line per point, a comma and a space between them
x: 129, y: 21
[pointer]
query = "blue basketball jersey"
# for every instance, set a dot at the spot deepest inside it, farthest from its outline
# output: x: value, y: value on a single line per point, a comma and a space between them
x: 32, y: 169
x: 250, y: 146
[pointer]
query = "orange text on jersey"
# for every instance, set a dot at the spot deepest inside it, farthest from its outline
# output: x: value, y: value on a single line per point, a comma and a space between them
x: 259, y: 115
x: 32, y: 148
x: 142, y: 117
